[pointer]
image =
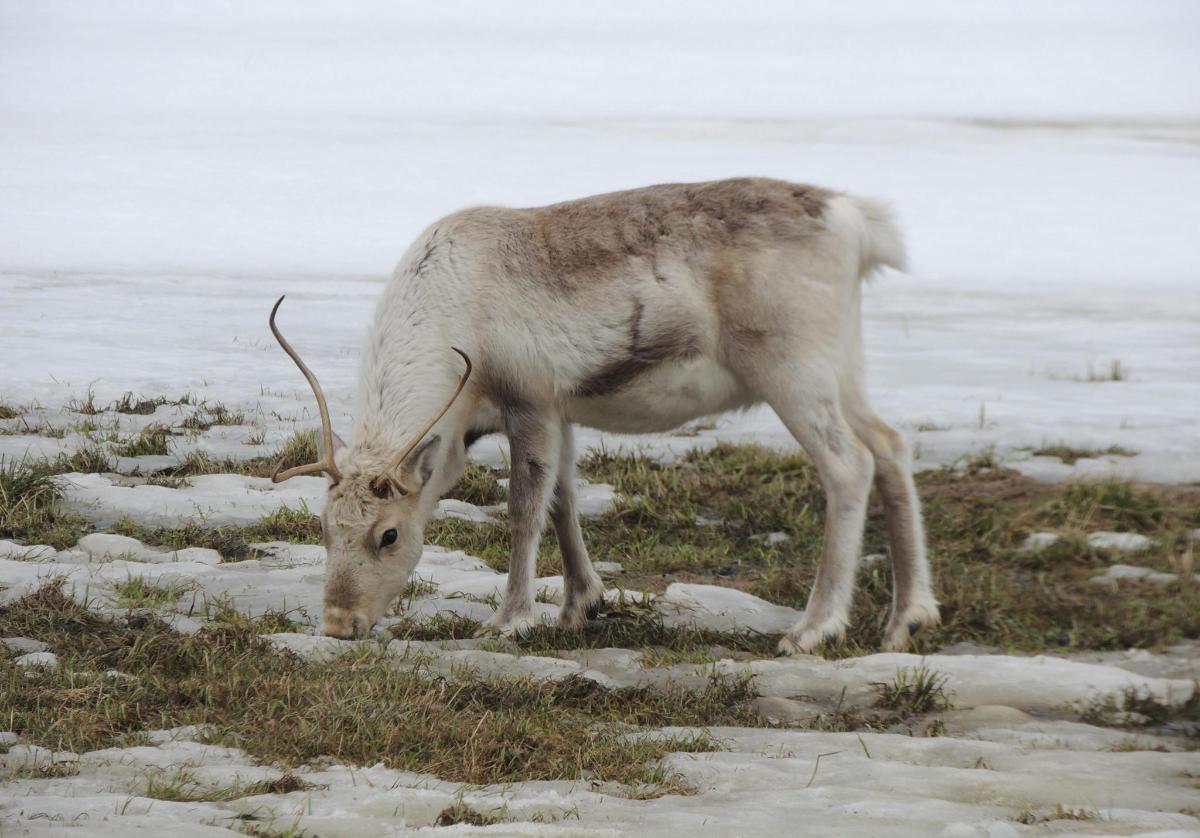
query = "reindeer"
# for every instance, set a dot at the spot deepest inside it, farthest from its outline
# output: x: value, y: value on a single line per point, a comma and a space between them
x: 629, y: 312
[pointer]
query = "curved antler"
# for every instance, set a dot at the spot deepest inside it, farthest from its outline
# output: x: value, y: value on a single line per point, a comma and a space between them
x: 420, y: 435
x: 325, y: 465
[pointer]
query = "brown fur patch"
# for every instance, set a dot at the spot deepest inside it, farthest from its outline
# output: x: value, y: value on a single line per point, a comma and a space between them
x: 583, y: 239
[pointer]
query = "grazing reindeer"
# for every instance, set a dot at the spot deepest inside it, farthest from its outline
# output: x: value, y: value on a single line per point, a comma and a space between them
x: 631, y: 312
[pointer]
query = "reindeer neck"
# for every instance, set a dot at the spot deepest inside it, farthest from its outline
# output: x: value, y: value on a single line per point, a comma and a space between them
x: 408, y: 368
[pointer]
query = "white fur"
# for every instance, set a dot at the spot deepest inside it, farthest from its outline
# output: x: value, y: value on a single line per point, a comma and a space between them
x: 773, y: 318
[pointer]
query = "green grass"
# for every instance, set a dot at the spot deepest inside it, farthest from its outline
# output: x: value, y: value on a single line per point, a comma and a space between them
x: 208, y: 415
x: 152, y: 439
x: 270, y: 622
x: 142, y: 406
x: 977, y: 515
x: 913, y: 692
x: 630, y: 626
x: 478, y: 486
x: 1070, y: 455
x: 9, y: 412
x: 30, y: 508
x: 359, y: 708
x: 182, y: 786
x: 136, y: 592
x: 298, y: 449
x: 298, y: 526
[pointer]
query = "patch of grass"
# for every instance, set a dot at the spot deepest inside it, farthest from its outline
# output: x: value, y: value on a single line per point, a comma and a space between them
x: 459, y: 812
x: 298, y: 526
x: 977, y: 515
x: 208, y: 415
x: 1135, y: 709
x: 478, y: 485
x: 43, y: 771
x: 91, y: 459
x: 30, y: 508
x: 1070, y: 455
x: 151, y: 439
x: 914, y: 692
x: 441, y: 626
x: 86, y: 406
x: 628, y: 627
x: 1058, y: 813
x: 269, y: 622
x: 1109, y: 504
x: 299, y: 449
x: 8, y: 412
x: 136, y: 592
x: 142, y: 406
x: 360, y: 708
x: 183, y: 787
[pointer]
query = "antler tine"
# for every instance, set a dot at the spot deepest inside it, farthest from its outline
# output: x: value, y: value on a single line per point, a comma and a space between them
x: 325, y: 464
x: 420, y: 435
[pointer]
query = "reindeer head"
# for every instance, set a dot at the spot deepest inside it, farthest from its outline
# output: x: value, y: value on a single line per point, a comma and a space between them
x: 374, y: 515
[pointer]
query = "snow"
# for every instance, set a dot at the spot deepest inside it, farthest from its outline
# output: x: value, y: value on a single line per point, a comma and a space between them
x: 722, y: 609
x: 1118, y: 572
x: 167, y: 170
x: 1036, y: 542
x: 37, y: 660
x: 1118, y: 542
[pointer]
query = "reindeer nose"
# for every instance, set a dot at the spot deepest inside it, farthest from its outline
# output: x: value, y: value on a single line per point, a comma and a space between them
x: 344, y: 623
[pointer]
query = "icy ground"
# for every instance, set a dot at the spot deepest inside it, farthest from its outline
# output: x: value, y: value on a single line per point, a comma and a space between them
x: 1012, y: 745
x: 167, y: 170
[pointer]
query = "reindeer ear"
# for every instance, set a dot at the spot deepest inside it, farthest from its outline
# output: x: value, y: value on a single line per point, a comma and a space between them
x: 418, y: 466
x: 337, y: 445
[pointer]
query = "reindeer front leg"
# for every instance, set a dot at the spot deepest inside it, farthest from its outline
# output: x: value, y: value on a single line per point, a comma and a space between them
x: 583, y: 589
x: 535, y: 445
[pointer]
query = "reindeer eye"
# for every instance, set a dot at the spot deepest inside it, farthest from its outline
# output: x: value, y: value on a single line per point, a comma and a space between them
x: 389, y: 537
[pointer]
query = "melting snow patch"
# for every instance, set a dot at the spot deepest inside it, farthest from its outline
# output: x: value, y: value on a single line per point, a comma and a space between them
x: 24, y: 552
x: 1118, y: 542
x: 212, y: 499
x: 1039, y: 541
x: 37, y: 660
x: 23, y: 645
x: 723, y: 609
x: 460, y: 509
x: 1123, y: 572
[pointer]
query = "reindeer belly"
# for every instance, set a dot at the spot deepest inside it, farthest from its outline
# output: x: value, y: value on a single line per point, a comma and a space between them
x: 662, y: 398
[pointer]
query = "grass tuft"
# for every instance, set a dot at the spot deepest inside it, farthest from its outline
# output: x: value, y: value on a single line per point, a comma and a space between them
x: 30, y: 507
x: 208, y: 415
x: 298, y: 526
x: 299, y: 449
x: 459, y: 812
x: 152, y: 439
x: 1070, y: 455
x: 183, y: 787
x: 136, y: 592
x: 914, y: 692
